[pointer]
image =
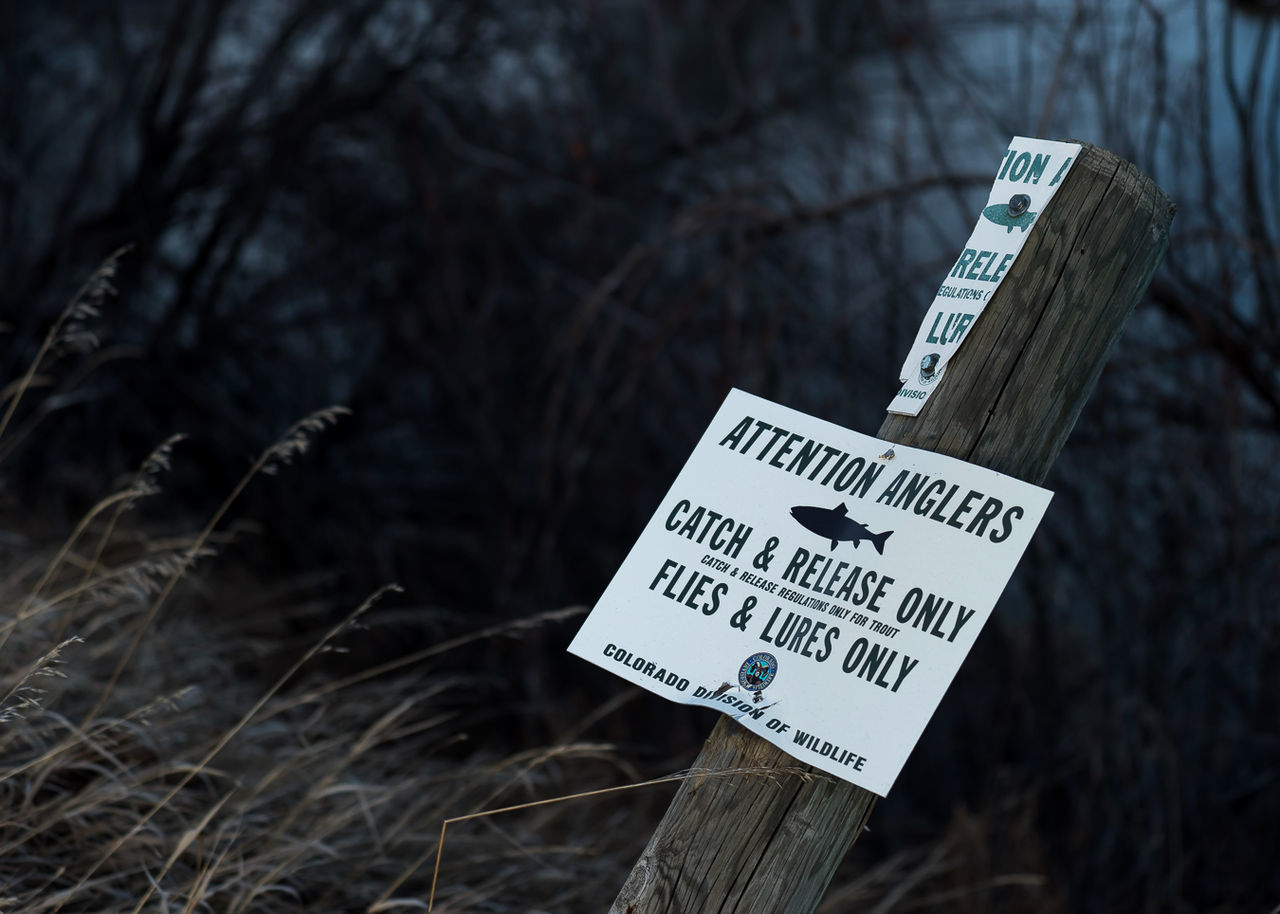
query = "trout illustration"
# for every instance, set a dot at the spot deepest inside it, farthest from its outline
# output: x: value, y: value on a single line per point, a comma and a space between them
x: 836, y: 525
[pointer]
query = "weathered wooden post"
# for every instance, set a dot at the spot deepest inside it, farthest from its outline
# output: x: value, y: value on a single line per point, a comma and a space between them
x: 1010, y: 398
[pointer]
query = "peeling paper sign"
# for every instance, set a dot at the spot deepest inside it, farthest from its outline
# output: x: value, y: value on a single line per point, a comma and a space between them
x: 819, y: 585
x: 1029, y: 174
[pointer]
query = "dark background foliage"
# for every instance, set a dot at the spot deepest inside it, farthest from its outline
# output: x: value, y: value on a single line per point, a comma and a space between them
x: 533, y: 244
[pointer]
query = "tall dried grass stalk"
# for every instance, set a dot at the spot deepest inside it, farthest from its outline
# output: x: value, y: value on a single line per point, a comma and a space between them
x: 66, y: 330
x: 772, y: 774
x: 294, y: 442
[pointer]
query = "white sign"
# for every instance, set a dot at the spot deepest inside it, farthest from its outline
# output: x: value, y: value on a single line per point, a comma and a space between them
x: 1029, y: 175
x: 819, y: 585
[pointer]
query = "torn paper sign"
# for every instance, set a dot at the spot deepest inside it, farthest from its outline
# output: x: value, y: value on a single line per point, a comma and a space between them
x: 818, y: 585
x: 1029, y: 174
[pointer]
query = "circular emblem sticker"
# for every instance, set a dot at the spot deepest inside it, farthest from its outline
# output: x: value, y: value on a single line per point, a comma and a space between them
x: 757, y: 671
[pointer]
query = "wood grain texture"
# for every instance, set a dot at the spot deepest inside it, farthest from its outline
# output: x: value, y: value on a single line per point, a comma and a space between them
x: 768, y: 842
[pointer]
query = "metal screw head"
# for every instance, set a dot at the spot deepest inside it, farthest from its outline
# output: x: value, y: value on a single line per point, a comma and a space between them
x: 929, y: 364
x: 1019, y: 204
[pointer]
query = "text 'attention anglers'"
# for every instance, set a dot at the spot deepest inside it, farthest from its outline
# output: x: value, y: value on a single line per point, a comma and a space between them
x: 974, y: 512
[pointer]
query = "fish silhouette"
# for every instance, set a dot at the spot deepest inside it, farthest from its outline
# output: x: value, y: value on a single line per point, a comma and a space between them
x: 836, y: 525
x: 999, y: 214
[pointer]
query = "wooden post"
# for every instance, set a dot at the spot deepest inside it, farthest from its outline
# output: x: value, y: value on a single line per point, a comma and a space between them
x: 766, y: 845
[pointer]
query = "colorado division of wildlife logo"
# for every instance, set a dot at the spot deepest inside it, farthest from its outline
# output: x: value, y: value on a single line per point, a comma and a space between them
x: 757, y: 671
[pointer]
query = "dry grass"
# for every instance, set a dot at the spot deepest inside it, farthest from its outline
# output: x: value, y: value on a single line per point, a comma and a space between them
x: 140, y: 772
